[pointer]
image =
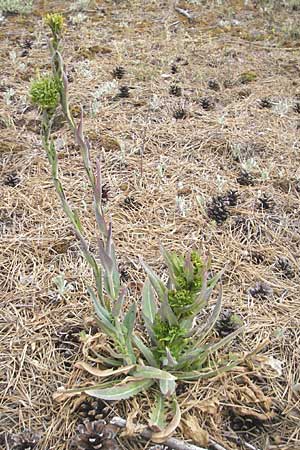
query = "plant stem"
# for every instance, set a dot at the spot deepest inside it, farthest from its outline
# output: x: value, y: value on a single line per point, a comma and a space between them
x: 172, y: 443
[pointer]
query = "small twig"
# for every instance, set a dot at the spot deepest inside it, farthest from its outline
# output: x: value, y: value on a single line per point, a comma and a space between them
x: 172, y: 443
x: 216, y: 445
x: 184, y: 12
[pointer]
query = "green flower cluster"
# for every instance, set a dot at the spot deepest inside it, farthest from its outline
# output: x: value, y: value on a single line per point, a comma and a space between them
x: 197, y: 263
x: 187, y: 285
x: 55, y: 22
x: 171, y: 336
x: 178, y: 299
x: 45, y: 92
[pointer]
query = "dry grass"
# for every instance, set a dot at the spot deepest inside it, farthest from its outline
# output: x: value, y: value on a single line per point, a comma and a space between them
x: 151, y: 157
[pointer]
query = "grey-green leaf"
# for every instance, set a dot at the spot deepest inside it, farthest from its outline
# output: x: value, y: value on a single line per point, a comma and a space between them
x: 157, y: 415
x: 146, y: 352
x: 120, y: 391
x: 156, y: 282
x: 167, y: 387
x: 149, y: 308
x: 153, y: 373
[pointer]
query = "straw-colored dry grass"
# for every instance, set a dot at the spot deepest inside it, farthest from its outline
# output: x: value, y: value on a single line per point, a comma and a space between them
x: 153, y: 158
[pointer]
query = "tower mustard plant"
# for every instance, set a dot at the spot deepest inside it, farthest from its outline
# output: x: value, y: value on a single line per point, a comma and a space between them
x: 175, y: 346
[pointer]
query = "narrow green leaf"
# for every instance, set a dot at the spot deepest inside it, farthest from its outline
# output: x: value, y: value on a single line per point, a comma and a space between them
x: 153, y: 373
x: 103, y: 315
x: 120, y: 391
x: 226, y: 340
x: 146, y: 352
x: 149, y: 329
x: 129, y: 319
x: 199, y: 355
x: 169, y: 260
x: 197, y: 375
x: 149, y: 308
x: 204, y: 331
x: 118, y: 305
x: 169, y: 360
x: 188, y: 269
x: 156, y: 282
x: 162, y: 435
x: 167, y: 314
x: 157, y: 416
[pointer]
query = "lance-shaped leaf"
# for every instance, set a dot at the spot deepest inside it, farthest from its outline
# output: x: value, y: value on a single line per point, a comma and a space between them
x: 149, y: 329
x: 129, y: 319
x: 149, y: 308
x: 98, y: 200
x: 204, y: 331
x: 169, y: 260
x: 153, y: 373
x: 202, y: 374
x: 103, y: 373
x: 169, y: 360
x: 161, y: 436
x: 145, y: 351
x: 118, y: 305
x: 103, y: 315
x: 188, y: 269
x: 105, y: 259
x: 120, y: 391
x: 226, y: 340
x: 111, y: 274
x: 166, y: 313
x: 157, y: 420
x: 167, y: 387
x: 156, y: 282
x: 199, y: 355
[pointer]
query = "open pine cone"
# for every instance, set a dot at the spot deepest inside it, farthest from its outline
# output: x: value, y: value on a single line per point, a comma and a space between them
x: 96, y: 435
x: 27, y: 440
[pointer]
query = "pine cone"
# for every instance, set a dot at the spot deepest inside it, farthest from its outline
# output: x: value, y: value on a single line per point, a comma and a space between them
x: 256, y: 257
x: 260, y: 290
x: 230, y: 198
x: 245, y: 179
x: 68, y: 341
x: 179, y: 114
x: 175, y: 90
x: 174, y: 68
x: 206, y: 103
x: 214, y: 85
x: 12, y: 180
x: 131, y: 203
x: 228, y: 322
x: 118, y: 72
x: 265, y: 103
x: 296, y: 107
x: 96, y: 435
x: 244, y: 423
x: 217, y: 210
x: 92, y: 409
x: 105, y: 193
x: 27, y: 440
x: 266, y: 202
x: 284, y: 265
x: 181, y: 388
x: 123, y: 92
